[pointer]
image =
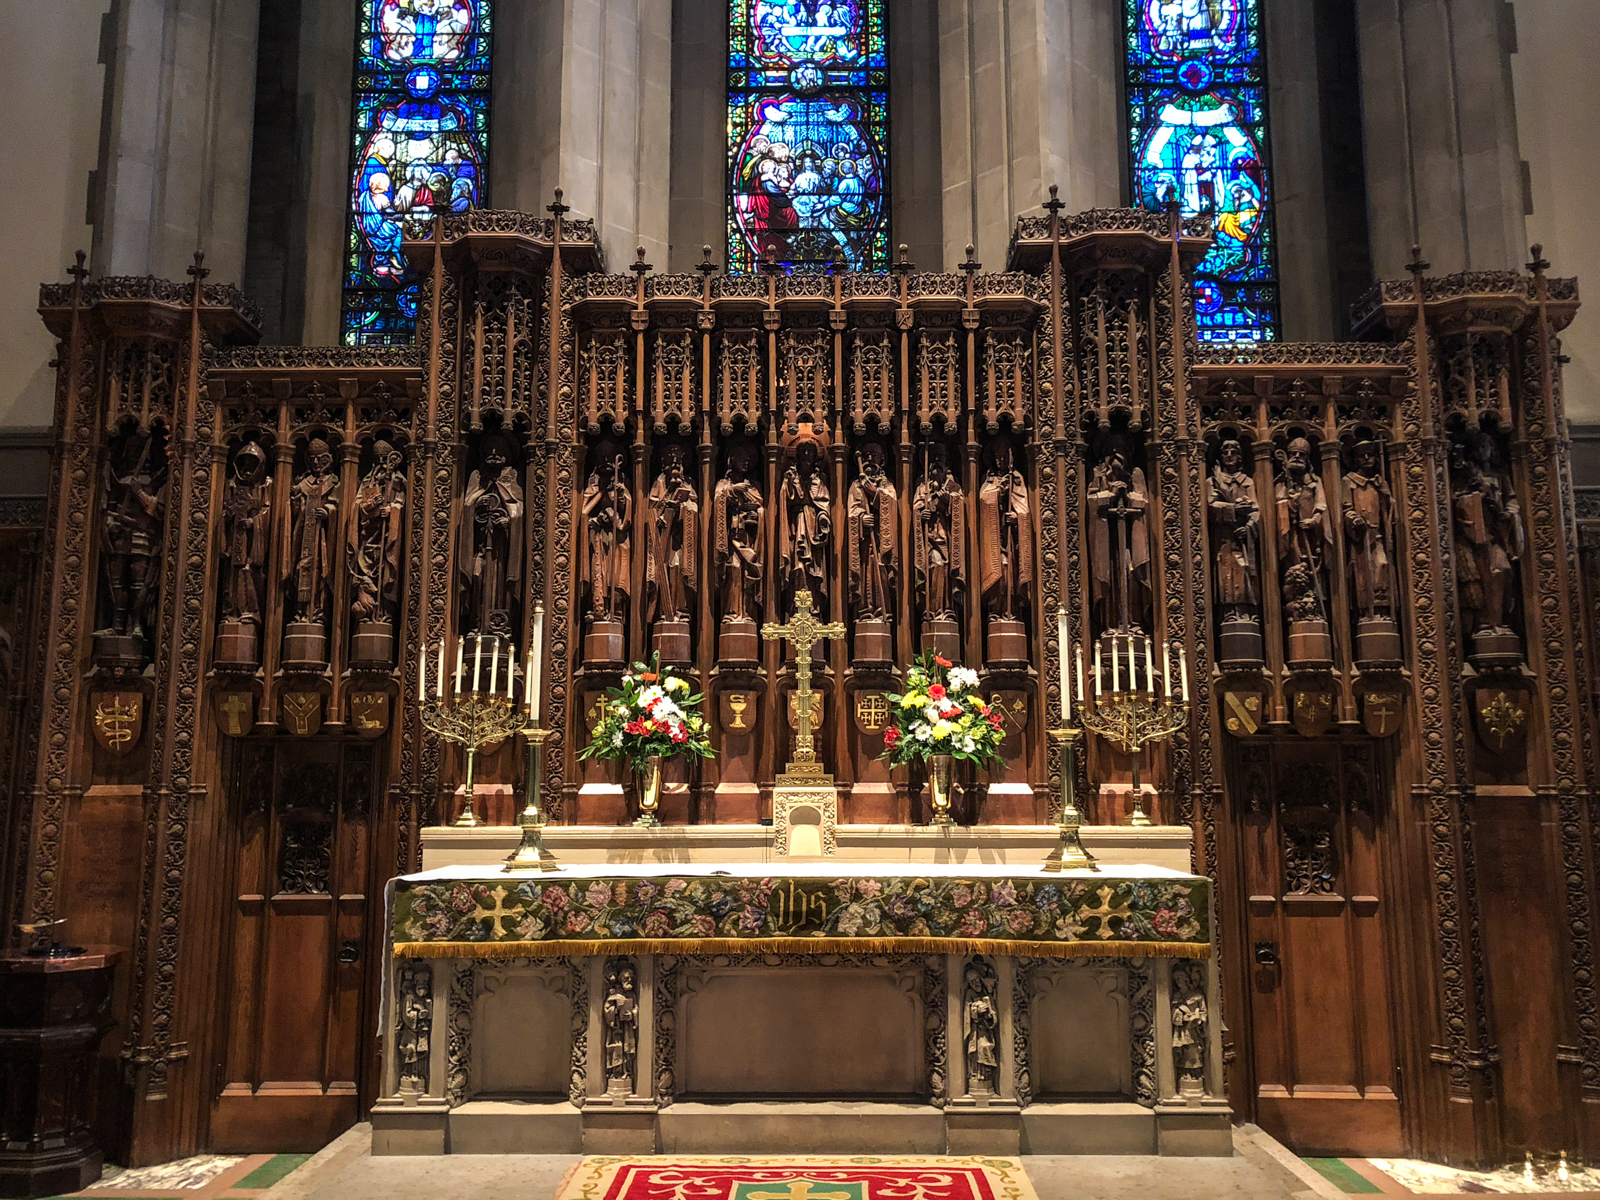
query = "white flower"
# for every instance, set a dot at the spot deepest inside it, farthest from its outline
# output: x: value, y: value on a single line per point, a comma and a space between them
x: 963, y: 679
x: 933, y: 713
x: 922, y: 733
x: 616, y: 738
x: 967, y: 745
x: 650, y: 695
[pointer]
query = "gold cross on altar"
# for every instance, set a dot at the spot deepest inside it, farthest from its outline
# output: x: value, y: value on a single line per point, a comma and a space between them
x: 803, y: 631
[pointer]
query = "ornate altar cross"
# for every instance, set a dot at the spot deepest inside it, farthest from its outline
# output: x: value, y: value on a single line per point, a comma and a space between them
x: 803, y: 631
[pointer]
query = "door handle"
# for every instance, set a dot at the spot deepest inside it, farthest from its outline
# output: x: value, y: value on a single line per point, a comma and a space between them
x: 1267, y: 954
x: 349, y: 951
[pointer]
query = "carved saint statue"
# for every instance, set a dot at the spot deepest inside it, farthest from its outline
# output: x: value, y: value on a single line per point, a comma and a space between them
x: 738, y: 535
x: 872, y: 514
x: 940, y: 537
x: 1489, y: 535
x: 1005, y: 532
x: 491, y: 547
x: 373, y: 549
x: 621, y: 1016
x: 1119, y: 539
x: 246, y: 508
x: 131, y: 536
x: 672, y: 547
x: 1304, y: 534
x: 314, y: 516
x: 980, y: 1027
x: 1188, y: 1030
x: 607, y: 544
x: 1369, y: 532
x: 1235, y: 533
x: 415, y: 995
x: 807, y: 525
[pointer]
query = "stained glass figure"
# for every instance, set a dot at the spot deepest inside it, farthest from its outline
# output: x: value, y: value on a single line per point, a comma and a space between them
x: 808, y: 120
x: 419, y: 146
x: 1197, y: 133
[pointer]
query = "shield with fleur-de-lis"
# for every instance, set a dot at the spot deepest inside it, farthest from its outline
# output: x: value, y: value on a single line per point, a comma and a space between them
x: 1500, y: 715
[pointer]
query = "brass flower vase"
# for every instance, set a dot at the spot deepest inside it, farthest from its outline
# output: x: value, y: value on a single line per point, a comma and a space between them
x: 650, y: 794
x: 940, y: 769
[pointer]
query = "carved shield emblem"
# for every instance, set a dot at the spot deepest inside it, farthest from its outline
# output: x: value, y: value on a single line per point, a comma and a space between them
x: 1241, y: 713
x: 1313, y: 711
x: 235, y: 710
x: 1501, y: 716
x: 738, y: 710
x: 369, y: 713
x: 118, y: 720
x: 817, y: 710
x: 1381, y: 712
x: 872, y: 712
x: 302, y: 712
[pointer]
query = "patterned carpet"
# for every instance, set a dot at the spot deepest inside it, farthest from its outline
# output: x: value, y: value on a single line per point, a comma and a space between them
x: 206, y: 1177
x: 794, y: 1177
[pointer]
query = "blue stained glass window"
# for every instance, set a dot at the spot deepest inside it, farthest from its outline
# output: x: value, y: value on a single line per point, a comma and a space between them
x: 1197, y: 131
x: 808, y: 125
x: 419, y: 146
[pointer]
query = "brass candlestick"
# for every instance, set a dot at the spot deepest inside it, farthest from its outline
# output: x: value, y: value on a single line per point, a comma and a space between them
x: 473, y: 720
x: 1069, y: 854
x: 1133, y: 720
x: 532, y: 855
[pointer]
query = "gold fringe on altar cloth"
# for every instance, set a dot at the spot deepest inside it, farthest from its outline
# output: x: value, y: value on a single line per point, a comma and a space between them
x: 803, y: 945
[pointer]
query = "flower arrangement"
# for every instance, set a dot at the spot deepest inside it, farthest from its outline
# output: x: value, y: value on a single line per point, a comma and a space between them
x: 941, y: 713
x: 653, y: 714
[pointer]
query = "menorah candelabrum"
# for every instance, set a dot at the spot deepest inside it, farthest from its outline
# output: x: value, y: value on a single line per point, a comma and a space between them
x: 471, y: 707
x: 1131, y: 713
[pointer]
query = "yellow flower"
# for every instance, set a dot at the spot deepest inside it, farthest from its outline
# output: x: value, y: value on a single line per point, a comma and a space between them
x: 913, y: 700
x: 943, y: 729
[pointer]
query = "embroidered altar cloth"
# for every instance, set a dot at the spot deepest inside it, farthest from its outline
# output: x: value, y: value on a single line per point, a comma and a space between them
x: 815, y: 908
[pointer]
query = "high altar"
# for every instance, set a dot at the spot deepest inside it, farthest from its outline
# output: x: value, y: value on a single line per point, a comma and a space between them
x: 1359, y: 548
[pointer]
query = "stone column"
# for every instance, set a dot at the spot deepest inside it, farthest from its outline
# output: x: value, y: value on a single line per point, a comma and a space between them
x: 1443, y: 167
x: 1029, y: 97
x: 699, y: 183
x: 583, y: 102
x: 174, y: 173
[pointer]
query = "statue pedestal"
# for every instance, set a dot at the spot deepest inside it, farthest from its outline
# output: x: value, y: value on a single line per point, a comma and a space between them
x: 1377, y: 640
x: 671, y: 640
x: 739, y: 641
x: 237, y: 642
x: 604, y: 643
x: 305, y: 643
x: 1309, y: 642
x: 117, y: 649
x: 373, y: 643
x: 874, y: 642
x: 1239, y: 641
x: 942, y: 637
x: 1008, y: 642
x: 1498, y: 647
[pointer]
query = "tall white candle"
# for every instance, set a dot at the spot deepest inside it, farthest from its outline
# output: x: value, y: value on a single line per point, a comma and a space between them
x: 439, y: 683
x: 1116, y: 677
x: 1149, y: 670
x: 1064, y: 659
x: 1183, y: 666
x: 1097, y: 688
x: 1166, y: 668
x: 494, y: 669
x: 477, y: 659
x: 1080, y: 675
x: 461, y: 649
x: 422, y: 674
x: 511, y: 672
x: 527, y: 683
x: 536, y: 671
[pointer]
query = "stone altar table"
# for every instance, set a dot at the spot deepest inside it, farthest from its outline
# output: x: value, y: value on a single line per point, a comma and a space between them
x: 801, y: 1008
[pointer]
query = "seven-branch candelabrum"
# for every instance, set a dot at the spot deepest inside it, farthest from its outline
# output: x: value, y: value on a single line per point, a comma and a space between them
x: 1141, y: 705
x: 475, y: 706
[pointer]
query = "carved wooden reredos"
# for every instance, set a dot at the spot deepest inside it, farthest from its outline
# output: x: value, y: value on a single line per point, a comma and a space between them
x: 1452, y: 603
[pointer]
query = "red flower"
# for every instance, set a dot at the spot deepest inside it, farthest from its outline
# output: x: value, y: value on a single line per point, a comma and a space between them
x: 634, y: 727
x: 942, y: 660
x: 891, y: 736
x: 936, y: 691
x: 649, y: 677
x: 995, y: 719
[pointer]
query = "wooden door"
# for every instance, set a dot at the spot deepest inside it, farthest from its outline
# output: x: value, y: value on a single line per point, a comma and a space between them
x: 1320, y: 1057
x: 290, y: 1045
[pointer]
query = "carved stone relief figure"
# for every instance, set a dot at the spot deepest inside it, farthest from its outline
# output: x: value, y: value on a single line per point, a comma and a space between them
x: 372, y: 554
x: 872, y: 514
x: 1189, y: 1027
x: 739, y: 552
x: 939, y: 551
x: 414, y: 996
x: 805, y: 531
x: 132, y: 517
x: 672, y: 549
x: 1119, y: 539
x: 1368, y: 513
x: 1304, y: 534
x: 247, y: 533
x: 607, y: 568
x: 308, y: 567
x: 491, y: 547
x: 620, y: 1013
x: 1005, y: 548
x: 1236, y: 540
x: 1490, y: 543
x: 980, y: 1027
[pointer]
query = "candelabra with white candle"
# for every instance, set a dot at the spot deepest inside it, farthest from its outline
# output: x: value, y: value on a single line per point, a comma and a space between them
x: 474, y: 712
x: 531, y: 855
x: 1069, y: 853
x: 1135, y: 716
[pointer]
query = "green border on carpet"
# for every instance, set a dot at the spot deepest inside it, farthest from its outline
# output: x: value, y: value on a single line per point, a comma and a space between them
x: 270, y: 1172
x: 1343, y: 1176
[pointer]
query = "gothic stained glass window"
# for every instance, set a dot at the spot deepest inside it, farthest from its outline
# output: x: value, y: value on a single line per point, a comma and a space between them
x: 808, y: 123
x: 419, y: 146
x: 1197, y: 131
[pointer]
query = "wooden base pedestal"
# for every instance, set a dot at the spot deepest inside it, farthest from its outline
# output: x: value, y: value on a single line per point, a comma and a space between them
x: 1008, y: 642
x: 604, y: 643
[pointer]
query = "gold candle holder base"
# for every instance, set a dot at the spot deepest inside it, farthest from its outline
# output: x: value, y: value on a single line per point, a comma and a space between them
x: 1069, y: 853
x: 533, y: 854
